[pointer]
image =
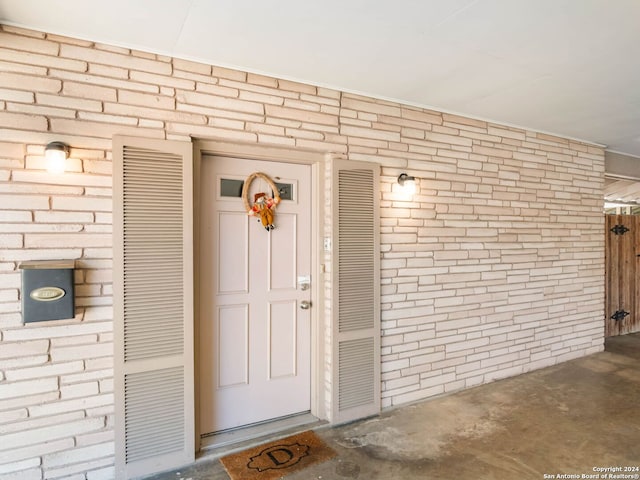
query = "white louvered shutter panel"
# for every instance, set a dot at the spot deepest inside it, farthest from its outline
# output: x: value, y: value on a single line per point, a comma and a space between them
x: 153, y: 305
x: 356, y: 283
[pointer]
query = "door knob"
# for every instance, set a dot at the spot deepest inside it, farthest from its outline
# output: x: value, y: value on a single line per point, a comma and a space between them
x: 304, y: 305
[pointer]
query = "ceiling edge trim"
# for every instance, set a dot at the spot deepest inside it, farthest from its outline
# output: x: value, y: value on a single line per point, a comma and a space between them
x: 623, y: 153
x: 615, y: 176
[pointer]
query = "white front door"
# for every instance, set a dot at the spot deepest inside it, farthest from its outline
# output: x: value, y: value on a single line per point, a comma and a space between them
x: 255, y: 339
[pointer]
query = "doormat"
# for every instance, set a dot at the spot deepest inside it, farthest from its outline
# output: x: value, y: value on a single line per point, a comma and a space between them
x: 278, y: 459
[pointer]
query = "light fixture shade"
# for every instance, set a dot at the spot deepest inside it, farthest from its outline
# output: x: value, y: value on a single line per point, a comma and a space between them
x: 55, y: 154
x: 408, y: 183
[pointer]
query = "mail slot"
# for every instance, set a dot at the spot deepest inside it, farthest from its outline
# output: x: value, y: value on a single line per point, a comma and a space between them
x: 47, y: 290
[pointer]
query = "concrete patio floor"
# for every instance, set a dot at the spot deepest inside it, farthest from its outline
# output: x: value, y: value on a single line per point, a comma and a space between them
x: 570, y: 419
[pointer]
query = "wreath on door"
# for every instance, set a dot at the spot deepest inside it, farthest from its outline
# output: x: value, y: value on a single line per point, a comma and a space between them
x: 264, y: 206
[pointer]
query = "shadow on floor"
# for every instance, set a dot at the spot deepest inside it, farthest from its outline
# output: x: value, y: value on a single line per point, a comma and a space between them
x: 568, y: 419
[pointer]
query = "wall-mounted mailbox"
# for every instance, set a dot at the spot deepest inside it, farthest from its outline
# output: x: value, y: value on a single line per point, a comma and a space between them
x: 47, y: 290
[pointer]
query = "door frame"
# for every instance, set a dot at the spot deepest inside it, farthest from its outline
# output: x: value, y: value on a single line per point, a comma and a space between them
x: 318, y: 318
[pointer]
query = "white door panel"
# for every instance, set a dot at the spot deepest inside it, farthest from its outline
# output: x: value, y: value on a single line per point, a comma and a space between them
x: 233, y: 264
x: 282, y: 259
x: 254, y: 337
x: 282, y: 355
x: 232, y: 344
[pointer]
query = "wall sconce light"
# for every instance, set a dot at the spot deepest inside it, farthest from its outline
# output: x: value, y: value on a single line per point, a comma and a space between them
x: 408, y: 183
x: 56, y: 154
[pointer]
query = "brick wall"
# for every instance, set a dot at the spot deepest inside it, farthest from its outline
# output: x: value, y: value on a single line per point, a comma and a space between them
x: 495, y: 267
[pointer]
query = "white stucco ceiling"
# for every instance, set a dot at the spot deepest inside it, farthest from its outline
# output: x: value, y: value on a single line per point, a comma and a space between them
x: 568, y: 67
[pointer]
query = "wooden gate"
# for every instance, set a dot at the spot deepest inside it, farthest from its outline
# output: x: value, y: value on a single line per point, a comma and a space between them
x: 622, y: 290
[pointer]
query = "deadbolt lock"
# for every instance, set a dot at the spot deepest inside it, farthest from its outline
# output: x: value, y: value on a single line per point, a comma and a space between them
x: 304, y: 282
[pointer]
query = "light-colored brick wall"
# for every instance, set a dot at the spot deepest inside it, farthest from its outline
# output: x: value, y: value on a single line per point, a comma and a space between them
x: 494, y: 268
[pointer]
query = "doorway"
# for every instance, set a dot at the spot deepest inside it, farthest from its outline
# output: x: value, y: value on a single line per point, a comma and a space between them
x: 255, y: 295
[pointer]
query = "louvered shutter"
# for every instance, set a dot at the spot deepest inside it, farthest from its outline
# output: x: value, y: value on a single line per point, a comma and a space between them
x: 356, y: 287
x: 153, y: 305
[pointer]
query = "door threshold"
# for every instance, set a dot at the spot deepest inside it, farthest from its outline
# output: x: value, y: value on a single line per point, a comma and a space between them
x: 246, y: 437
